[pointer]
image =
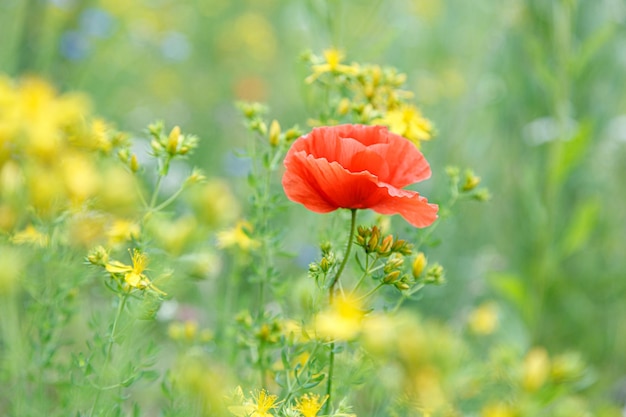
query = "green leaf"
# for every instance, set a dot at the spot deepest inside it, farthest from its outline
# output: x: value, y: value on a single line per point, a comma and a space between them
x: 581, y: 226
x: 572, y: 153
x: 511, y: 287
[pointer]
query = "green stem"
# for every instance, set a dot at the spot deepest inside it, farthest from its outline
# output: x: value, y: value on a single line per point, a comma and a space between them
x: 155, y: 194
x: 331, y: 295
x: 333, y: 282
x: 365, y: 274
x: 372, y: 291
x: 169, y: 200
x: 109, y: 349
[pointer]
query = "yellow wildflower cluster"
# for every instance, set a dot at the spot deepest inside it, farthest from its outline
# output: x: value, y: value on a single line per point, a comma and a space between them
x: 54, y: 159
x: 369, y: 94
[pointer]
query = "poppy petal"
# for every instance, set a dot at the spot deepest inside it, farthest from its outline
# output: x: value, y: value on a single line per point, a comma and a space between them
x: 323, y: 186
x: 414, y: 208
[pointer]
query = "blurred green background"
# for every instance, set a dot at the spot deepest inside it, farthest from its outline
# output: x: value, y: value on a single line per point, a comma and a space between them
x: 531, y: 94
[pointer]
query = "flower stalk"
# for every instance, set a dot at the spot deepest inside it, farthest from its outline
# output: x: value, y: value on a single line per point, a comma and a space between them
x: 331, y: 295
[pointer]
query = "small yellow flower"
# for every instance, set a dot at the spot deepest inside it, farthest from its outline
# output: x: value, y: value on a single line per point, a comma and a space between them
x: 238, y: 236
x: 134, y: 275
x: 333, y: 57
x: 408, y: 121
x: 310, y: 405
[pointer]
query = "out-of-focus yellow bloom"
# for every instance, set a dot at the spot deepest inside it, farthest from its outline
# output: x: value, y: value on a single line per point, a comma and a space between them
x: 408, y: 121
x: 332, y: 64
x: 79, y: 176
x: 134, y: 275
x: 536, y: 369
x: 497, y: 410
x: 30, y: 235
x: 342, y: 320
x: 309, y: 405
x: 121, y: 231
x: 86, y: 229
x: 238, y: 236
x: 174, y: 235
x: 427, y: 388
x: 214, y: 203
x: 484, y: 319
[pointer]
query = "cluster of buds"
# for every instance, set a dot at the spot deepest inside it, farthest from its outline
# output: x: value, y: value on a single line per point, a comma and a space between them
x: 266, y: 330
x: 253, y: 114
x: 371, y: 240
x: 129, y: 159
x: 420, y: 271
x: 188, y: 331
x: 467, y: 184
x: 328, y: 261
x: 173, y: 144
x: 393, y: 273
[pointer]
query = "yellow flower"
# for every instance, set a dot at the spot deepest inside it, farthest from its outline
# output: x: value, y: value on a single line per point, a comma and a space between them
x: 342, y: 320
x: 238, y: 236
x: 262, y: 404
x: 133, y: 275
x: 122, y: 230
x: 408, y: 121
x: 258, y: 406
x: 536, y: 369
x: 333, y: 64
x: 484, y: 319
x: 310, y: 405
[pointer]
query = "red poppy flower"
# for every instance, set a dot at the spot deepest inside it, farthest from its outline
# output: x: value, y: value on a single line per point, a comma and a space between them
x: 358, y: 167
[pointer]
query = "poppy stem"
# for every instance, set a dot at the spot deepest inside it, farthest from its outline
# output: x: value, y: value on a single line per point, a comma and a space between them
x: 331, y: 295
x: 333, y: 282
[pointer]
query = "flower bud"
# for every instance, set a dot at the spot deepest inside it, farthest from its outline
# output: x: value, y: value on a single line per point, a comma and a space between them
x: 402, y: 246
x: 373, y: 241
x: 435, y: 275
x: 98, y: 256
x: 419, y: 263
x: 325, y: 264
x: 394, y: 262
x: 402, y: 285
x: 134, y: 163
x: 385, y: 246
x: 482, y: 195
x: 274, y: 135
x: 173, y: 140
x: 344, y: 106
x: 314, y: 268
x: 392, y: 277
x: 258, y: 126
x: 325, y: 247
x: 156, y: 146
x: 292, y: 134
x: 471, y: 181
